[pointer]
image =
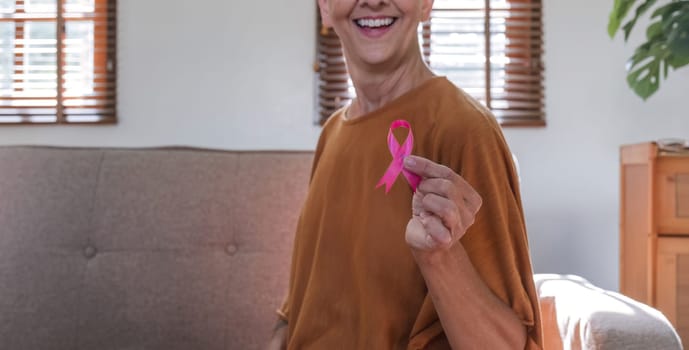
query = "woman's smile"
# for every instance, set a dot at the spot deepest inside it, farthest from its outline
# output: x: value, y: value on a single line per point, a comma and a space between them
x: 374, y: 26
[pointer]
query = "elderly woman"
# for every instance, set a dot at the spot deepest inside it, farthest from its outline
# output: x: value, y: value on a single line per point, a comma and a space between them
x: 438, y: 258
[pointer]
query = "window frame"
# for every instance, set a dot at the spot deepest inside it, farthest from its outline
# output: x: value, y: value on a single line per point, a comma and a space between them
x: 104, y: 97
x: 524, y: 80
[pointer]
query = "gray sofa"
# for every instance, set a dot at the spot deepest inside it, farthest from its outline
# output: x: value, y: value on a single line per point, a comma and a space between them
x: 134, y: 249
x: 189, y: 249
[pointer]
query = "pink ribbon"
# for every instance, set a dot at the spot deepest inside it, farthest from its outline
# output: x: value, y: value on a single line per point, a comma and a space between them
x: 398, y: 153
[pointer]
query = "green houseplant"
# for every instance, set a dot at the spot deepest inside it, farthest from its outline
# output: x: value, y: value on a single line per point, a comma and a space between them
x: 667, y: 40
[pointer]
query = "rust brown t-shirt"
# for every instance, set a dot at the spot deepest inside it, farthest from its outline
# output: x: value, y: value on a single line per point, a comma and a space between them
x: 354, y: 283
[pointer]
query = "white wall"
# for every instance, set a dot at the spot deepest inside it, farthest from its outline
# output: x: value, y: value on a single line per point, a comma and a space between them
x: 570, y: 169
x: 208, y: 73
x: 238, y: 75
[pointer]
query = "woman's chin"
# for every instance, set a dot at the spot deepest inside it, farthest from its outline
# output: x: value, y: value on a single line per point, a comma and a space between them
x: 377, y: 60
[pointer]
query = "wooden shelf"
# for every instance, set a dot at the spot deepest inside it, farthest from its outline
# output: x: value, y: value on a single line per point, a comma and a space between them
x: 654, y: 230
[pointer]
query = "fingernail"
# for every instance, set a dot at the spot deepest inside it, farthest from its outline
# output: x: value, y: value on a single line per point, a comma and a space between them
x: 409, y: 161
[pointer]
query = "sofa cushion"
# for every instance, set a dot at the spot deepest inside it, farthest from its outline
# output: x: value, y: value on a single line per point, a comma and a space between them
x: 145, y: 248
x: 579, y: 315
x: 46, y: 202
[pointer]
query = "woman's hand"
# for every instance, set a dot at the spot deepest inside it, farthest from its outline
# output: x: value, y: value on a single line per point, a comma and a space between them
x: 443, y: 207
x: 279, y: 339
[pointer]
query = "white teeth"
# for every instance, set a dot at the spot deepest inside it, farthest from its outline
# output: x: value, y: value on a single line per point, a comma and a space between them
x: 374, y: 23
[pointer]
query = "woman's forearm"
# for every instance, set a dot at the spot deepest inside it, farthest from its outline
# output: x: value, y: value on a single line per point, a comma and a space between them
x: 279, y: 339
x: 471, y: 315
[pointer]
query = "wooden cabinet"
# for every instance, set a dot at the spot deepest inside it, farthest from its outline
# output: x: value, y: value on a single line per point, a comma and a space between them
x: 654, y: 231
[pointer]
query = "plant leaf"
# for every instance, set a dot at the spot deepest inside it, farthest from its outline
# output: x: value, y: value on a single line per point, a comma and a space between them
x: 643, y: 74
x: 667, y: 10
x: 666, y: 68
x: 678, y: 37
x: 654, y: 31
x: 618, y: 13
x: 639, y: 12
x: 645, y: 81
x: 667, y: 45
x: 677, y: 61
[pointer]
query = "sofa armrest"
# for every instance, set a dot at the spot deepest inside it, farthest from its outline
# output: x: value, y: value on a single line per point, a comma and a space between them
x: 578, y: 315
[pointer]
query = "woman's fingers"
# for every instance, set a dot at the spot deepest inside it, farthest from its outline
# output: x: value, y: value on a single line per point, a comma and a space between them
x: 441, y: 187
x: 416, y: 235
x: 443, y: 206
x: 436, y: 230
x: 427, y: 168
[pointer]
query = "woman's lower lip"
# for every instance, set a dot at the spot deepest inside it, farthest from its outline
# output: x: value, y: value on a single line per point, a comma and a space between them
x: 374, y: 33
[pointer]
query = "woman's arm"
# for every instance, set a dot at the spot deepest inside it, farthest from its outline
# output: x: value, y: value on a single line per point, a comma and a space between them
x: 444, y: 207
x: 471, y: 315
x: 279, y: 339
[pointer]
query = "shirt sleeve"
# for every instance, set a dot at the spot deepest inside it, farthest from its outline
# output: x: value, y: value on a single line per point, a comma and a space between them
x: 496, y: 243
x: 283, y: 311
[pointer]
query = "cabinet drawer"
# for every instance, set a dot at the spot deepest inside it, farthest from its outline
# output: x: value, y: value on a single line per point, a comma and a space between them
x: 672, y: 283
x: 671, y: 198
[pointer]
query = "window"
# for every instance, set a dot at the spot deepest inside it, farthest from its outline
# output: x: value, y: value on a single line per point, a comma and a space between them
x: 490, y: 48
x: 57, y: 61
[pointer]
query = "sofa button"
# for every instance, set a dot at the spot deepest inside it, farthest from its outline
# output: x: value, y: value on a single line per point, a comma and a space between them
x: 231, y: 249
x: 89, y: 252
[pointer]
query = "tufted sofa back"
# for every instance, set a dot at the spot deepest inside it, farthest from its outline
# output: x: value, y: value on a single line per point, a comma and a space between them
x: 172, y: 248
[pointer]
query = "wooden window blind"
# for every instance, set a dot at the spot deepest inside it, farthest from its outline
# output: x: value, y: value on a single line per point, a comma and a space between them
x: 490, y: 48
x: 57, y: 61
